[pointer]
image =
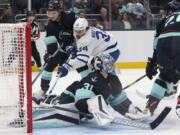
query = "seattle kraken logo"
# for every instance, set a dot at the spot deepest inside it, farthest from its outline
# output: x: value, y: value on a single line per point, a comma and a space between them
x: 94, y: 79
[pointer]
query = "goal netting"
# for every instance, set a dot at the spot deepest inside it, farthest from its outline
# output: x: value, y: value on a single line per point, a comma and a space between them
x: 15, y: 77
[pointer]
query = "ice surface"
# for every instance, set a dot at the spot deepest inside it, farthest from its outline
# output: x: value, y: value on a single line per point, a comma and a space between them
x: 170, y: 126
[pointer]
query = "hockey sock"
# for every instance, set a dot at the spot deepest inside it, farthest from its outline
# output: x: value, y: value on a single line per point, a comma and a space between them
x: 123, y: 107
x: 45, y: 80
x: 159, y: 88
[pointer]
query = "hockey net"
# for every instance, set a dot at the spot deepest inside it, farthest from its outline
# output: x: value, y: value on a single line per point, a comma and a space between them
x: 15, y: 77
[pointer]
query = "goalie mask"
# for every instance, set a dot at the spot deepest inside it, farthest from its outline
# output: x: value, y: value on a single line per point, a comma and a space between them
x: 104, y: 62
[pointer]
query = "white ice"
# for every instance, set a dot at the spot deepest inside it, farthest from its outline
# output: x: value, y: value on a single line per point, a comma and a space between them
x: 170, y: 126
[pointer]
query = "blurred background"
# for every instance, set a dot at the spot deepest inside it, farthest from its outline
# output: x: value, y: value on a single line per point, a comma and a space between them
x: 106, y: 14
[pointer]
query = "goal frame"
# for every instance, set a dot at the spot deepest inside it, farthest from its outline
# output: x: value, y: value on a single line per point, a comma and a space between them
x: 29, y: 79
x: 15, y: 58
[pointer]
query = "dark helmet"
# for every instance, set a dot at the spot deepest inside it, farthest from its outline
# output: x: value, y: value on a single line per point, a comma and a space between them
x: 53, y: 5
x: 30, y: 13
x: 174, y: 5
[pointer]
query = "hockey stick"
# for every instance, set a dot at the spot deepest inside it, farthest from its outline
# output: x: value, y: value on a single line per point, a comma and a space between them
x: 137, y: 80
x: 134, y: 82
x: 45, y: 65
x: 126, y: 122
x: 152, y: 125
x: 50, y: 91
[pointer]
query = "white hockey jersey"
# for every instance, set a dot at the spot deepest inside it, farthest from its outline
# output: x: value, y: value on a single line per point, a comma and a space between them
x: 95, y: 41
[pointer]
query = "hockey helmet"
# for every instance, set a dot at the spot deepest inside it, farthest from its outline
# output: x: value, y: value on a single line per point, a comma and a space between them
x: 53, y: 5
x: 80, y: 24
x: 174, y: 5
x: 105, y: 63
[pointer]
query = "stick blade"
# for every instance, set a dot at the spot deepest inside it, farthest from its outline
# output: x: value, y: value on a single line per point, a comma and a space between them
x: 160, y: 118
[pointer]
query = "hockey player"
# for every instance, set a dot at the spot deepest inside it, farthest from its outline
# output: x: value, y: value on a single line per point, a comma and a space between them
x: 59, y: 35
x: 178, y: 107
x: 90, y: 42
x: 169, y: 11
x: 100, y: 82
x: 35, y: 34
x: 166, y: 55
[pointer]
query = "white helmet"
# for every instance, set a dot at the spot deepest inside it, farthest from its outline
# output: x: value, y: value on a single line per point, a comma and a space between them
x: 80, y: 24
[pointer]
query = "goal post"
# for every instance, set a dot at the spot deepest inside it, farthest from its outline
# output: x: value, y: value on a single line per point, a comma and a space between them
x: 15, y: 77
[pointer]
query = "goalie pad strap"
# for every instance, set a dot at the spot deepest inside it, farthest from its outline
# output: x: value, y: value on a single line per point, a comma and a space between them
x: 60, y: 117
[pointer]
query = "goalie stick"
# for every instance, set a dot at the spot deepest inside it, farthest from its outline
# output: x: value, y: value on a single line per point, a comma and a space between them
x: 126, y: 122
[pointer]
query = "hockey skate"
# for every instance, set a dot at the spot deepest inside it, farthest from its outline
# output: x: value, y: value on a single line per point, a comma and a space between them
x: 38, y: 95
x: 135, y: 113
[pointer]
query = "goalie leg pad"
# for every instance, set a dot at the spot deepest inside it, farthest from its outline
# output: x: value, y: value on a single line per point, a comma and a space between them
x: 102, y: 112
x: 44, y: 117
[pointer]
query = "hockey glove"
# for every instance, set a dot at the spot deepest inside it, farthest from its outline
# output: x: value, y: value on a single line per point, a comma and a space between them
x: 178, y: 107
x: 151, y: 68
x: 71, y: 51
x: 63, y: 70
x: 50, y: 99
x: 47, y: 57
